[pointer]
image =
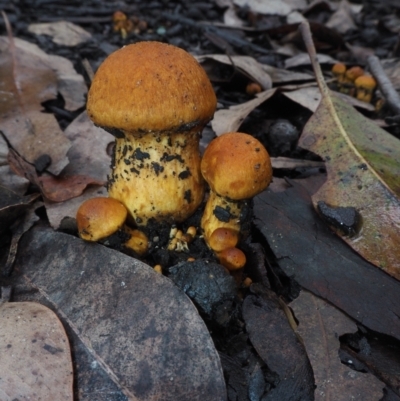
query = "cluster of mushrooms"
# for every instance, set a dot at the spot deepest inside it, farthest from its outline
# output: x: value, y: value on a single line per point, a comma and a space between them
x: 156, y: 99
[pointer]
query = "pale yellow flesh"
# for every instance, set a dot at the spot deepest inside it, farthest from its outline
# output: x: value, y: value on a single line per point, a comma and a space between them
x: 162, y: 179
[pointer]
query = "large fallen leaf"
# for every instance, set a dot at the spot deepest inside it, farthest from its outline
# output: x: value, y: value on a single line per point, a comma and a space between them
x: 35, y: 355
x: 320, y: 325
x: 26, y: 83
x: 363, y: 168
x: 141, y: 330
x: 310, y: 253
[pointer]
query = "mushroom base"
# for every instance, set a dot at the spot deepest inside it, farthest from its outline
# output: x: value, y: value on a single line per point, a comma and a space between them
x: 221, y: 212
x: 157, y: 175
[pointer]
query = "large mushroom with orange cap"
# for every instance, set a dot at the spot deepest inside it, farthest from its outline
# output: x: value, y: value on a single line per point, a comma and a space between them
x: 237, y: 167
x: 155, y: 99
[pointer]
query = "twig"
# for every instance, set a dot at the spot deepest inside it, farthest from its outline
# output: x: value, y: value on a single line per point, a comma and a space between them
x: 385, y: 85
x: 88, y: 68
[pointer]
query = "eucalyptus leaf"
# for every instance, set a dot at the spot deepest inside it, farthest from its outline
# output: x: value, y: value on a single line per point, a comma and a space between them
x: 362, y: 162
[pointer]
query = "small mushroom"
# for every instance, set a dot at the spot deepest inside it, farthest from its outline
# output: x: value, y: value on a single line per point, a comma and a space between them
x: 338, y: 71
x: 98, y: 218
x: 349, y: 77
x: 365, y: 86
x: 232, y: 258
x: 222, y: 238
x: 236, y: 167
x: 155, y: 99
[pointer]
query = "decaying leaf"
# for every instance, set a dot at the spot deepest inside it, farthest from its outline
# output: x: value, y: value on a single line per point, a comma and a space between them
x: 309, y: 252
x: 89, y: 156
x: 8, y: 179
x: 229, y: 120
x: 278, y: 346
x: 320, y: 325
x: 363, y: 173
x: 12, y: 206
x: 70, y: 84
x: 250, y: 66
x: 272, y: 7
x: 140, y: 328
x: 55, y: 189
x: 310, y: 97
x: 62, y: 32
x: 26, y: 82
x: 341, y: 20
x: 35, y: 355
x: 304, y: 59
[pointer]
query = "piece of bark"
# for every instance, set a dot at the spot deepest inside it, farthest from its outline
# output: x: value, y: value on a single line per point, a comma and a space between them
x: 139, y: 327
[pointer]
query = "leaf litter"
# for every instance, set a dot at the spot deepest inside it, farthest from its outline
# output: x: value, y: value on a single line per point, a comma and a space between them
x: 35, y: 358
x: 320, y: 326
x: 363, y: 173
x: 141, y: 329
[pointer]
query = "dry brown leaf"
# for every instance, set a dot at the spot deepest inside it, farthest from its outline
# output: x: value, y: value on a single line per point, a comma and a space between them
x: 341, y: 20
x: 280, y: 75
x: 271, y: 7
x: 70, y: 84
x: 8, y: 178
x: 229, y: 120
x: 310, y: 97
x: 62, y: 32
x: 303, y: 59
x: 55, y: 189
x: 320, y: 325
x: 26, y: 83
x: 140, y: 329
x: 88, y: 156
x: 35, y: 356
x: 251, y: 67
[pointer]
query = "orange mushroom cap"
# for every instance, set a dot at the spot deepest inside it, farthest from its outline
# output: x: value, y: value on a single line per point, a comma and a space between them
x: 353, y: 73
x: 236, y: 166
x: 232, y: 258
x: 97, y: 218
x: 339, y: 69
x: 223, y: 238
x: 365, y: 82
x: 151, y: 87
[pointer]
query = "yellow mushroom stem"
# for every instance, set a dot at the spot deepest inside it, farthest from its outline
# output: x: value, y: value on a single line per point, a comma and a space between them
x: 157, y: 175
x: 221, y: 212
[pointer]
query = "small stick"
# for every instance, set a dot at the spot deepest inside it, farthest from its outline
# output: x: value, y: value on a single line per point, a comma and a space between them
x: 385, y: 85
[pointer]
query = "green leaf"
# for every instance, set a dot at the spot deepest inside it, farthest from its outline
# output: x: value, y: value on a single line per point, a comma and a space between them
x: 363, y: 169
